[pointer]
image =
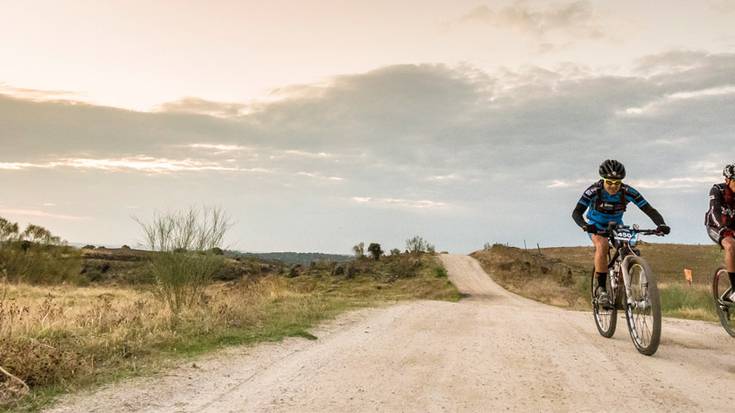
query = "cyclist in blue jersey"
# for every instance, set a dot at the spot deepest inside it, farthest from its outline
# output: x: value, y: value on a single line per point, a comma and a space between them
x: 605, y: 201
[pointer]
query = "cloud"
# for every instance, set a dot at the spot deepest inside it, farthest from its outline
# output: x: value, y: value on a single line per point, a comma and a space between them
x: 141, y: 163
x: 448, y: 178
x: 317, y: 175
x: 676, y: 183
x: 651, y: 107
x: 573, y: 18
x: 39, y: 95
x: 422, y: 204
x: 200, y: 106
x: 414, y: 137
x: 33, y: 213
x: 219, y: 148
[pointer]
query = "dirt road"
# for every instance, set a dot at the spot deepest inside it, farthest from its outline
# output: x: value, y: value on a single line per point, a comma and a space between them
x: 493, y: 351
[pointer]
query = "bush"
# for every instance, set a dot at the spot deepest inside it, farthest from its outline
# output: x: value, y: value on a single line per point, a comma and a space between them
x: 186, y: 261
x: 375, y: 251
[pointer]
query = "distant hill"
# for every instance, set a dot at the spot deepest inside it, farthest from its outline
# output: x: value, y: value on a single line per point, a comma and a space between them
x: 303, y: 258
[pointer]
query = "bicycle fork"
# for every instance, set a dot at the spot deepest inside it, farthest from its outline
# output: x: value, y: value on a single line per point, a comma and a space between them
x: 643, y: 303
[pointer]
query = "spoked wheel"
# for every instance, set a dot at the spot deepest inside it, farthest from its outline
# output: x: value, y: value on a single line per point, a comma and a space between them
x: 606, y: 317
x: 725, y: 309
x: 643, y: 308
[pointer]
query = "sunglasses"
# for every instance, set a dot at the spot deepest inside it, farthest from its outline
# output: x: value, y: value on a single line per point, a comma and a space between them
x: 613, y: 182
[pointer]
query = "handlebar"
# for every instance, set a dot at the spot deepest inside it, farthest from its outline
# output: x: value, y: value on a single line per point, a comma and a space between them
x: 612, y: 228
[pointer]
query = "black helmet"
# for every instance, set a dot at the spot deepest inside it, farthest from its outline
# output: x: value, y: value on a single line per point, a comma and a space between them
x: 729, y: 171
x: 612, y: 169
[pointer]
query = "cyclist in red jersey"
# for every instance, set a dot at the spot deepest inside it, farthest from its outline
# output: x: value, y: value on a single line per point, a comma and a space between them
x: 720, y: 222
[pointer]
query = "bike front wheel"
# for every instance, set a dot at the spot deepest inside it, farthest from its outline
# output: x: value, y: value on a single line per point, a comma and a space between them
x: 643, y: 307
x: 606, y: 317
x: 725, y: 309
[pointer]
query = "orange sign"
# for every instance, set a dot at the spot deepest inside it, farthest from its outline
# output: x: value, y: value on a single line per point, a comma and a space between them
x: 688, y: 275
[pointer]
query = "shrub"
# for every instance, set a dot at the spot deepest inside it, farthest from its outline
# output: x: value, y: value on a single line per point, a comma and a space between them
x: 375, y: 251
x: 395, y: 251
x: 185, y: 262
x: 440, y: 272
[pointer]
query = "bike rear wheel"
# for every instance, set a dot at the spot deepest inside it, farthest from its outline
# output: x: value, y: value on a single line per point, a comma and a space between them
x: 606, y: 318
x: 725, y: 310
x: 643, y: 307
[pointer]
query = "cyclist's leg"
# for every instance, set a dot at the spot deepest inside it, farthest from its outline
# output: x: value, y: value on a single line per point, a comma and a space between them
x: 601, y: 249
x: 728, y: 244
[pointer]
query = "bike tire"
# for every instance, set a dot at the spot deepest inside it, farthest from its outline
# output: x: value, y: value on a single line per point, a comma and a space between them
x: 606, y: 319
x: 724, y: 312
x: 644, y: 326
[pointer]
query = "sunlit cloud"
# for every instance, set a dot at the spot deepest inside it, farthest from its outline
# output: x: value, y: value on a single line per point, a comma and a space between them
x: 300, y: 154
x: 319, y: 176
x: 577, y: 18
x: 33, y: 213
x: 666, y: 183
x: 422, y: 204
x: 445, y: 178
x: 652, y: 106
x: 219, y: 148
x: 147, y: 164
x: 144, y: 164
x: 17, y: 166
x: 38, y: 95
x: 305, y: 154
x: 200, y: 106
x: 676, y: 183
x: 559, y: 183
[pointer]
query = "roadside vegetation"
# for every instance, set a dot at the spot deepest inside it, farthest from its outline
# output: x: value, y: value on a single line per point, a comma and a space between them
x: 123, y: 312
x: 561, y: 276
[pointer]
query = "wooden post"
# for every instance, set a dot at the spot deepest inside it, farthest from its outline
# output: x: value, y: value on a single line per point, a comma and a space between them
x: 524, y: 245
x: 539, y: 248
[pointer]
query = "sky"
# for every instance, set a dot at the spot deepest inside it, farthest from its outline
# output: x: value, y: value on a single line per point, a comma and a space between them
x: 320, y: 124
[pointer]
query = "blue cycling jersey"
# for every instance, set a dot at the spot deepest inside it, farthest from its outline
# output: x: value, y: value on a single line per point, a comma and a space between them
x: 603, y: 208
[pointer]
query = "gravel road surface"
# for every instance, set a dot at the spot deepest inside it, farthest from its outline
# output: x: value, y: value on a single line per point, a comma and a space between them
x: 493, y: 351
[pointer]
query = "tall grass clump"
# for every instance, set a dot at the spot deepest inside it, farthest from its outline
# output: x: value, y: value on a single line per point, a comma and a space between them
x: 35, y: 255
x: 694, y: 302
x: 187, y: 245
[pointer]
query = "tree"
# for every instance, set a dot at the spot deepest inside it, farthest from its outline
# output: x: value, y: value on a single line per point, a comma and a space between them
x: 375, y: 251
x: 359, y: 250
x: 416, y: 245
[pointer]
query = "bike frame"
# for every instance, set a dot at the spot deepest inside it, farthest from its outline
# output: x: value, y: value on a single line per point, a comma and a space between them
x: 623, y: 240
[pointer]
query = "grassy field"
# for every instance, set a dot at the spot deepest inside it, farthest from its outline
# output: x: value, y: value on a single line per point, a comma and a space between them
x: 61, y: 338
x: 561, y: 276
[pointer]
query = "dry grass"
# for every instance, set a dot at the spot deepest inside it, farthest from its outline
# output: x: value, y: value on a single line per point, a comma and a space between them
x: 668, y: 260
x: 538, y: 277
x: 521, y: 272
x: 59, y: 338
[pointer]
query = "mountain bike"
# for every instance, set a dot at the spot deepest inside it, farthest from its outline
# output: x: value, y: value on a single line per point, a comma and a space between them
x: 725, y: 309
x: 631, y: 286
